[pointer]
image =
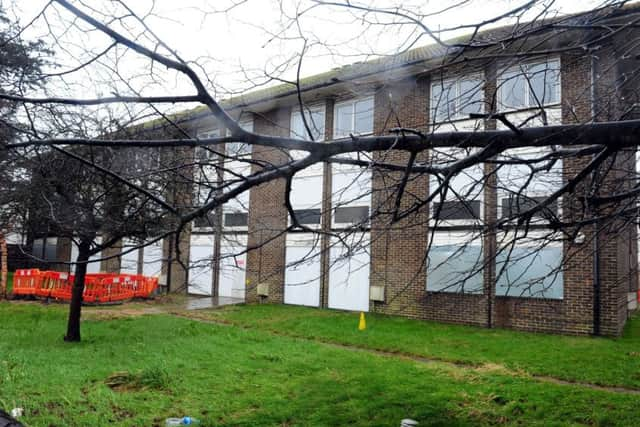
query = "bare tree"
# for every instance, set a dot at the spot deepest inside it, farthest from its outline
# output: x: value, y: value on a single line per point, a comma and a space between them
x: 557, y: 180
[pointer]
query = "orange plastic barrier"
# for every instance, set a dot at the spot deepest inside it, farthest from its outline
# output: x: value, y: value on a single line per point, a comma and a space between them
x: 52, y: 281
x: 99, y: 287
x: 93, y: 290
x: 115, y: 289
x: 26, y: 281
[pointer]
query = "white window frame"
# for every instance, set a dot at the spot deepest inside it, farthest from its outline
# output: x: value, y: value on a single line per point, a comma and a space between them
x: 361, y: 201
x: 210, y: 157
x: 508, y: 236
x: 433, y: 184
x: 522, y: 69
x: 352, y: 102
x: 308, y: 110
x: 456, y: 80
x: 238, y: 167
x: 501, y: 193
x: 446, y: 237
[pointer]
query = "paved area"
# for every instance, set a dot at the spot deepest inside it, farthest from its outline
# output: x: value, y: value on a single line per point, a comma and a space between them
x: 200, y: 303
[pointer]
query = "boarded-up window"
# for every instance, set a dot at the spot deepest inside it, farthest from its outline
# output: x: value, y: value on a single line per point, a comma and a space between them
x: 513, y: 205
x: 352, y: 214
x: 235, y: 219
x: 457, y: 210
x: 308, y: 216
x: 205, y: 221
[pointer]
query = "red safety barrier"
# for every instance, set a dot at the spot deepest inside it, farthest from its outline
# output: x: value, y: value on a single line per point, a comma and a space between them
x: 61, y: 284
x: 51, y: 280
x: 98, y: 287
x: 93, y: 290
x: 26, y: 281
x: 115, y: 289
x: 152, y: 286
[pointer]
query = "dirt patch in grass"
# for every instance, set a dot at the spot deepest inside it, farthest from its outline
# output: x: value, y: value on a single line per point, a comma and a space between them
x: 99, y: 314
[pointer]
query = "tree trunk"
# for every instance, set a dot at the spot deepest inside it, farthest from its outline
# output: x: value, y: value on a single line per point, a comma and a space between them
x: 73, y: 325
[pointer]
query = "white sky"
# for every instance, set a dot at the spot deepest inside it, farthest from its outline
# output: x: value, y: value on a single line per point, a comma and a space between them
x: 236, y: 49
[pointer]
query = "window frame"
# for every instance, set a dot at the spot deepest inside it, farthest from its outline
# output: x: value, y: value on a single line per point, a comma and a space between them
x: 450, y: 237
x: 353, y: 102
x: 502, y: 194
x: 517, y: 70
x: 314, y: 108
x: 456, y: 80
x: 456, y: 222
x: 556, y: 242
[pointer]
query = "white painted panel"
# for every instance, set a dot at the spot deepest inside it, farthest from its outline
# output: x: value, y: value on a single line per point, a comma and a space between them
x: 93, y: 266
x: 233, y: 263
x: 201, y: 265
x: 152, y: 261
x: 302, y: 274
x: 349, y: 274
x: 129, y: 260
x: 306, y: 191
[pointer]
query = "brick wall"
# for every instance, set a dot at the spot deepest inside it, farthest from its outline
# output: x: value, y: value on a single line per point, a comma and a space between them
x: 398, y: 248
x: 268, y: 216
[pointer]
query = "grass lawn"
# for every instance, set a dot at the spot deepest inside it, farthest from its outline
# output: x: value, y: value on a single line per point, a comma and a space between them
x: 9, y: 282
x: 229, y: 375
x: 604, y: 361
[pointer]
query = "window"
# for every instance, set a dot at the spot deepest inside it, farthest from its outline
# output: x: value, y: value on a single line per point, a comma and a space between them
x: 353, y: 117
x: 207, y: 153
x: 531, y: 267
x: 46, y: 249
x: 352, y: 214
x: 530, y: 85
x: 455, y: 263
x: 523, y: 186
x: 464, y: 195
x: 315, y: 120
x: 453, y: 99
x: 447, y: 211
x: 307, y: 216
x: 235, y: 219
x: 351, y: 195
x: 207, y: 221
x: 240, y: 149
x: 515, y: 204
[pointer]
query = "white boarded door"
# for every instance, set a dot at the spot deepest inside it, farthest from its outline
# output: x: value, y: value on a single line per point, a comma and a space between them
x: 233, y: 263
x: 152, y: 259
x: 349, y: 273
x: 302, y: 274
x: 129, y: 258
x: 201, y: 264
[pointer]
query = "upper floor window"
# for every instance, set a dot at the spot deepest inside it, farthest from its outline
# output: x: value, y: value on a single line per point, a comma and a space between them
x: 315, y: 120
x: 525, y: 179
x: 454, y: 99
x: 530, y: 85
x: 240, y: 149
x: 353, y: 117
x: 462, y: 201
x: 205, y: 153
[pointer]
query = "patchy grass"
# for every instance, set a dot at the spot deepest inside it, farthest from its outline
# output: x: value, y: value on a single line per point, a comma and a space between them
x: 603, y: 361
x: 227, y: 375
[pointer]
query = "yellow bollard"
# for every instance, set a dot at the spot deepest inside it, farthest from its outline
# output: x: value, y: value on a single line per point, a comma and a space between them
x: 363, y: 323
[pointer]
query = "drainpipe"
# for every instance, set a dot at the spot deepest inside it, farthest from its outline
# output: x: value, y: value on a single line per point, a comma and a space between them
x: 596, y: 225
x: 596, y: 279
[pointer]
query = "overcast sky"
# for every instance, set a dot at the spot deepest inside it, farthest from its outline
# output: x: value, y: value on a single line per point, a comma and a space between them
x: 236, y: 48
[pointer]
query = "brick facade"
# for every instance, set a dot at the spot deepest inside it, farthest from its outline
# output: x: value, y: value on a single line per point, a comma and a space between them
x: 398, y: 248
x: 599, y: 260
